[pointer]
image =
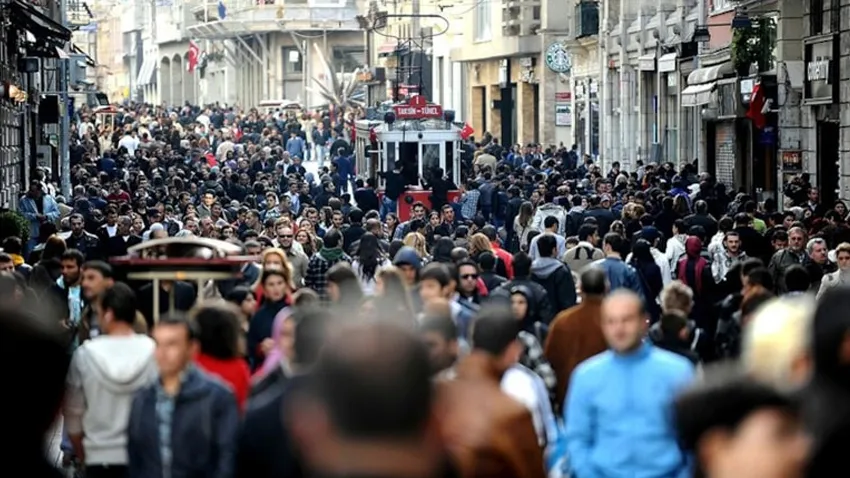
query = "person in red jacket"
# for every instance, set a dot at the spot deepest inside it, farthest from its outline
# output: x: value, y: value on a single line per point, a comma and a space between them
x: 221, y: 348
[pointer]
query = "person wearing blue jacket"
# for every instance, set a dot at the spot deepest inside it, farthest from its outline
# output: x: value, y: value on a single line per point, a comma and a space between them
x: 618, y: 410
x: 620, y: 274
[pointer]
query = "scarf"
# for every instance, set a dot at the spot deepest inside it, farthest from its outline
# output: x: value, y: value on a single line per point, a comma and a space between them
x: 333, y: 254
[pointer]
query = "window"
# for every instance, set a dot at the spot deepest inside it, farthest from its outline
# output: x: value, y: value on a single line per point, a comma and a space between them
x: 483, y: 20
x: 721, y: 5
x: 348, y: 59
x: 327, y: 3
x: 292, y: 62
x: 816, y: 17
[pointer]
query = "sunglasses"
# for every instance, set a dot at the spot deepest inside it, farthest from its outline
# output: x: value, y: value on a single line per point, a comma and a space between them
x: 469, y: 276
x: 287, y: 236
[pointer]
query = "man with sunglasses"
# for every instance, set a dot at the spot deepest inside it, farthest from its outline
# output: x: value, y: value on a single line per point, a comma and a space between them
x: 297, y: 259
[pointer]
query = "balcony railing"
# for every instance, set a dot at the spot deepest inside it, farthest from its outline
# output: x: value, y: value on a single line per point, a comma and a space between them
x: 587, y: 19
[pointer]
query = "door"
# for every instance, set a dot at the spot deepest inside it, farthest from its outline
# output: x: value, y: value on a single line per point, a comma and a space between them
x: 828, y: 171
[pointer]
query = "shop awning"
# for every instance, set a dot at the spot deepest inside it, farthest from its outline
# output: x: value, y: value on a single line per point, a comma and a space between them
x: 146, y: 72
x: 697, y: 95
x: 89, y: 60
x: 389, y: 48
x: 646, y: 62
x: 668, y: 62
x: 710, y: 73
x: 42, y: 27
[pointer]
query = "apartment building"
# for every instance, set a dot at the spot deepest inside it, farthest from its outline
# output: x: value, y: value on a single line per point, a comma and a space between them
x: 273, y: 49
x: 517, y: 69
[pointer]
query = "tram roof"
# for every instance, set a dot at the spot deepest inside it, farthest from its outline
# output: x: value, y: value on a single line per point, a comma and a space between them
x: 417, y: 125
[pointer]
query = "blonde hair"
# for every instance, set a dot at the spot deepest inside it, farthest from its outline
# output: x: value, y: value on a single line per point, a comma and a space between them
x: 286, y: 267
x: 777, y: 339
x: 479, y: 243
x: 677, y: 296
x: 417, y: 242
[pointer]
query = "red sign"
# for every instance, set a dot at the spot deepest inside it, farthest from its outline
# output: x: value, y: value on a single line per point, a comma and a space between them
x: 417, y: 107
x: 563, y: 96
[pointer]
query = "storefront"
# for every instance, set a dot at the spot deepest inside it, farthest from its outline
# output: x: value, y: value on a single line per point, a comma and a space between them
x: 821, y: 93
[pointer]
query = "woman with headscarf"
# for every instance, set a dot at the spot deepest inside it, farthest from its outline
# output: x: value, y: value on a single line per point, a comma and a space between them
x: 695, y: 272
x: 275, y: 369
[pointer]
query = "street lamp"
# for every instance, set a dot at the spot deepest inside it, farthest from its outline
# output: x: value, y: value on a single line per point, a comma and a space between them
x: 741, y: 21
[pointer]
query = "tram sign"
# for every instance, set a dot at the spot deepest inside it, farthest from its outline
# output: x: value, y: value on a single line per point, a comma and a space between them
x: 417, y: 107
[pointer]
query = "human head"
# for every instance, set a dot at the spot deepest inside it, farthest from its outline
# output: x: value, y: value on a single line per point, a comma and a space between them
x: 434, y: 282
x: 494, y: 333
x: 218, y: 328
x: 175, y: 336
x: 440, y: 335
x: 624, y: 321
x: 117, y: 308
x: 71, y: 260
x: 97, y: 276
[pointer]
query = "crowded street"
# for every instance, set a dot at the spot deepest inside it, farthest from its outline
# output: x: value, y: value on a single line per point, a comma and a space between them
x: 235, y: 243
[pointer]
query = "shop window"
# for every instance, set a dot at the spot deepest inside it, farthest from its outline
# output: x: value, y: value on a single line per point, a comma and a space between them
x: 483, y: 20
x: 727, y: 97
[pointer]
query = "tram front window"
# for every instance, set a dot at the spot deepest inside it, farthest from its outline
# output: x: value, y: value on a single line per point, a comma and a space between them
x: 430, y: 159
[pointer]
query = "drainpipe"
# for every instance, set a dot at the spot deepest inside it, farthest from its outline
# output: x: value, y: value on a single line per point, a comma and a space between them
x: 625, y: 100
x: 64, y: 122
x: 602, y: 90
x: 698, y: 151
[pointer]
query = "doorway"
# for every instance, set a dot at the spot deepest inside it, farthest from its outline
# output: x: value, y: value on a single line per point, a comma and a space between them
x: 480, y: 116
x: 828, y: 157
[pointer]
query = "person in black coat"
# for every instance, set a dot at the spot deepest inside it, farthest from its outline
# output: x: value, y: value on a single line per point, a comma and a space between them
x: 553, y: 275
x: 265, y: 448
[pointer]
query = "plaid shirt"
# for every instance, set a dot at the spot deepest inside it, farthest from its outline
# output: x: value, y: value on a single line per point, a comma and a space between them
x: 534, y: 360
x: 165, y: 404
x: 317, y: 273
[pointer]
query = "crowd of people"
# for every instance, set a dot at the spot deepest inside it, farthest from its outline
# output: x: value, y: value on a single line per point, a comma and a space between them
x: 556, y: 320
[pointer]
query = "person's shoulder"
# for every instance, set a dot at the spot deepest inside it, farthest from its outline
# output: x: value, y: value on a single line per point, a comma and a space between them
x: 670, y: 361
x: 592, y: 366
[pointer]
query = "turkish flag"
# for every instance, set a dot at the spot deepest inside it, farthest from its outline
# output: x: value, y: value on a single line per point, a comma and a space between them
x: 754, y: 112
x: 193, y: 56
x: 466, y: 132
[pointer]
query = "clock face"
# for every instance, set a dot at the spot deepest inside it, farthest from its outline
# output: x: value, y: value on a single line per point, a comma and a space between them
x: 558, y: 58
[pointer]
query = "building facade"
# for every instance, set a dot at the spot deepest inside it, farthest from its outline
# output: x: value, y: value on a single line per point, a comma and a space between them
x: 516, y: 69
x: 274, y: 49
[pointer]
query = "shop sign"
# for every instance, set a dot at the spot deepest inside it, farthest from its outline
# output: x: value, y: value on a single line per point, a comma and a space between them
x: 820, y: 85
x: 792, y: 160
x: 417, y: 108
x: 558, y: 59
x: 563, y: 115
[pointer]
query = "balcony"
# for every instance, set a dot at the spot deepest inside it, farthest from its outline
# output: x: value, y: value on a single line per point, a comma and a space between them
x: 247, y: 17
x: 520, y: 17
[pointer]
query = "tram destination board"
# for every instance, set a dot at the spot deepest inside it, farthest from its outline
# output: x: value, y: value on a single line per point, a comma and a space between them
x: 417, y: 108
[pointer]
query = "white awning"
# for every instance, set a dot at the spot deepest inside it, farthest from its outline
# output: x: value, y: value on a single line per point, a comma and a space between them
x: 710, y: 73
x: 697, y: 95
x: 146, y: 72
x: 646, y: 62
x: 667, y: 63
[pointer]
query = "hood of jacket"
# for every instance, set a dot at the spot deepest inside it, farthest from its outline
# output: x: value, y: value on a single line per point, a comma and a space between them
x: 122, y: 363
x: 407, y: 255
x: 545, y: 266
x: 693, y: 247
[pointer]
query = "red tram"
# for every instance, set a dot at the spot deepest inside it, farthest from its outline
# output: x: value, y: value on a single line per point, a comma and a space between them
x: 420, y: 135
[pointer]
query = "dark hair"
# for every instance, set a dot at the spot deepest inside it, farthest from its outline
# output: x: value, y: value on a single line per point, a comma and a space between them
x: 546, y: 245
x: 311, y: 326
x: 522, y: 264
x: 487, y: 261
x: 614, y: 240
x: 375, y: 392
x: 750, y: 264
x: 238, y: 294
x: 369, y: 255
x: 272, y: 272
x: 467, y: 263
x: 490, y: 232
x: 332, y: 239
x: 101, y: 267
x: 73, y: 255
x: 436, y: 272
x: 550, y: 222
x: 346, y: 279
x: 4, y: 258
x: 760, y: 276
x: 442, y: 250
x: 593, y: 281
x: 723, y: 401
x: 752, y: 302
x: 179, y: 319
x: 494, y: 330
x: 585, y: 231
x: 121, y: 300
x: 219, y: 330
x: 440, y: 324
x: 796, y: 279
x: 12, y: 245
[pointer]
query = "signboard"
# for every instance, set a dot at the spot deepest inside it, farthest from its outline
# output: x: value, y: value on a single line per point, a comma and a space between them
x: 563, y: 96
x: 563, y: 114
x: 792, y: 161
x: 820, y: 83
x: 558, y: 58
x: 417, y: 107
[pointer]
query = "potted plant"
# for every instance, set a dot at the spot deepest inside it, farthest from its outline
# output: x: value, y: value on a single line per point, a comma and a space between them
x: 13, y: 223
x: 754, y: 45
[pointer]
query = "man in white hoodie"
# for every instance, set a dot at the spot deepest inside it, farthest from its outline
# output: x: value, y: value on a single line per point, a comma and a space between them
x: 105, y: 373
